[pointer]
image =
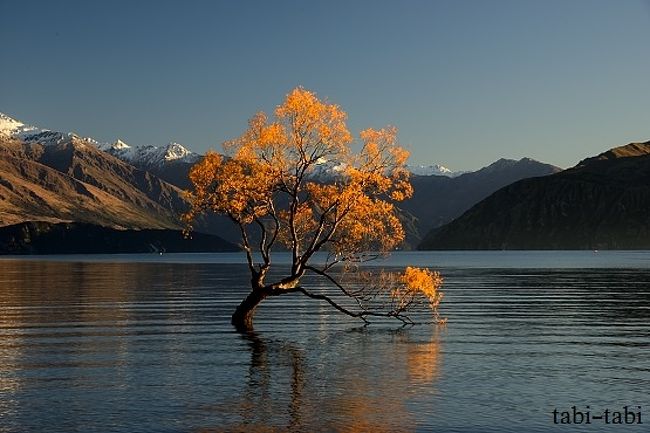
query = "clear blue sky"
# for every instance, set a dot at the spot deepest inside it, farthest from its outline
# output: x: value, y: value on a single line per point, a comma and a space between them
x: 466, y: 82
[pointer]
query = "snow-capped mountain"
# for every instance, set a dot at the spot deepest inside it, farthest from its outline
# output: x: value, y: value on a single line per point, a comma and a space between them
x: 13, y: 127
x: 30, y: 134
x: 151, y: 157
x: 325, y: 169
x: 147, y: 156
x: 432, y: 170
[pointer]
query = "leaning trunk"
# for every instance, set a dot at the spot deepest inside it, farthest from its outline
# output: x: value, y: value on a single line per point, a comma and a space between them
x: 242, y: 318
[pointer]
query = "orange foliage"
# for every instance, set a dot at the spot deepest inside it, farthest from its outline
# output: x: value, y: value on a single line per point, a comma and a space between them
x: 417, y: 281
x: 266, y: 181
x: 399, y: 292
x: 270, y: 165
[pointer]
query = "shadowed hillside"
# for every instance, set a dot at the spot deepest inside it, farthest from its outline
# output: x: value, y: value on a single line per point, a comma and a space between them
x: 438, y: 199
x: 80, y: 238
x: 603, y: 202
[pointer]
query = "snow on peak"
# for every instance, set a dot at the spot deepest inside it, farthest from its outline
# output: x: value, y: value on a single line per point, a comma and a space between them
x: 432, y: 170
x: 149, y: 156
x: 175, y: 151
x: 119, y: 144
x: 32, y: 134
x: 325, y: 169
x: 142, y: 156
x: 118, y: 149
x: 15, y: 128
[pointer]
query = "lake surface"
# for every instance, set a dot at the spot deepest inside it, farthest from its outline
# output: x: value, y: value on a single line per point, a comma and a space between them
x: 144, y: 344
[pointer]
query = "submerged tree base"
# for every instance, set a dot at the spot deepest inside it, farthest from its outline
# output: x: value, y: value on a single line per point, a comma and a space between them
x: 242, y: 318
x: 405, y: 294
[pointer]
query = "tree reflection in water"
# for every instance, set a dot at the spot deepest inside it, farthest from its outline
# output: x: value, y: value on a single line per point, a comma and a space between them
x: 358, y: 385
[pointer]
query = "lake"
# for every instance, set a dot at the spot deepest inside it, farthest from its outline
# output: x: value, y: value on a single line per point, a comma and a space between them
x: 144, y: 344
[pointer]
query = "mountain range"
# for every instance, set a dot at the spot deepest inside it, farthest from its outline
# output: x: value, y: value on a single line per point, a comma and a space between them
x: 432, y: 170
x: 437, y: 200
x: 55, y: 177
x: 601, y: 203
x: 156, y: 158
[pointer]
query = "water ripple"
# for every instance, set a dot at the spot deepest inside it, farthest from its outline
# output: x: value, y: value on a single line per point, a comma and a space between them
x: 101, y: 345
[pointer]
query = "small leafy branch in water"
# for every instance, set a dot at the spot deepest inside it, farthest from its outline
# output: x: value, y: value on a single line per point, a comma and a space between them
x: 268, y: 186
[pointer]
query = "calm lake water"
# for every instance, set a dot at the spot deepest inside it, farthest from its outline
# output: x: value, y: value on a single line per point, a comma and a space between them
x: 144, y: 344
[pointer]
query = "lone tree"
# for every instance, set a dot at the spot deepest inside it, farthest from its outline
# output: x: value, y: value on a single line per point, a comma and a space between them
x: 268, y: 186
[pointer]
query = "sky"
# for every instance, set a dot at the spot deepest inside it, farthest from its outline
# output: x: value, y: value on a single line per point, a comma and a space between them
x: 466, y: 82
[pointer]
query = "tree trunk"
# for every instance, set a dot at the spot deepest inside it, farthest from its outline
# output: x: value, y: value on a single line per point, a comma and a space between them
x: 242, y: 318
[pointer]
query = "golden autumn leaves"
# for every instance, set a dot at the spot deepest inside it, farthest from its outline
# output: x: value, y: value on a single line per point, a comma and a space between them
x: 266, y: 181
x: 419, y: 282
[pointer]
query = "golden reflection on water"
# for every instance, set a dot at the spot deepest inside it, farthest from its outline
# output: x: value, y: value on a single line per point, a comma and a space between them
x: 287, y: 386
x: 286, y: 391
x: 424, y: 361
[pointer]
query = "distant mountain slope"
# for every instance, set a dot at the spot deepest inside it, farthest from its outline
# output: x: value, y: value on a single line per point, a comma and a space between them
x: 60, y: 177
x: 87, y: 164
x: 119, y: 185
x: 174, y: 172
x: 79, y: 238
x: 439, y: 199
x: 31, y: 190
x: 73, y: 181
x: 603, y: 202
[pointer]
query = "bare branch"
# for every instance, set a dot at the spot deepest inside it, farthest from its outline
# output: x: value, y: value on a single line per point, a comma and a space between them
x: 245, y: 244
x: 363, y: 315
x: 330, y: 278
x: 276, y: 228
x: 332, y: 303
x: 263, y: 236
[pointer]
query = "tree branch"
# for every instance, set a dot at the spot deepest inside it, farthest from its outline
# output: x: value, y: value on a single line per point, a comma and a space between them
x: 331, y: 302
x: 359, y: 314
x: 246, y: 246
x: 263, y: 245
